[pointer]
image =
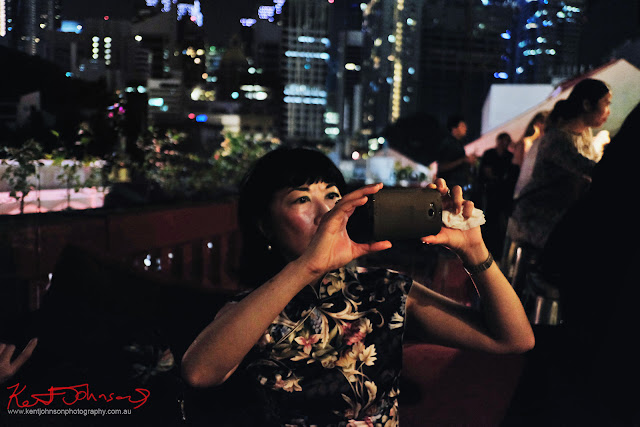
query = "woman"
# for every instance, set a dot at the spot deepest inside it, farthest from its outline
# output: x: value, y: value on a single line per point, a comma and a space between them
x: 535, y: 129
x: 525, y: 150
x: 566, y: 157
x: 321, y: 338
x: 595, y: 318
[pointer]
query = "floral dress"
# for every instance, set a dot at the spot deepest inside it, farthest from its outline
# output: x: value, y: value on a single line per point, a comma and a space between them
x: 333, y: 356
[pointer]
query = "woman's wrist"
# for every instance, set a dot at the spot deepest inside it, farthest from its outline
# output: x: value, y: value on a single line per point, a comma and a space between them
x: 474, y: 256
x: 474, y: 269
x: 305, y: 270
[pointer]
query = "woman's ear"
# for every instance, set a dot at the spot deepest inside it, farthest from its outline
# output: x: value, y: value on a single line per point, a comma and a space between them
x: 586, y: 106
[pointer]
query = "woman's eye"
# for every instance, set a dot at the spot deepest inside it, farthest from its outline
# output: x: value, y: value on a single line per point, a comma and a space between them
x: 302, y: 199
x: 334, y: 196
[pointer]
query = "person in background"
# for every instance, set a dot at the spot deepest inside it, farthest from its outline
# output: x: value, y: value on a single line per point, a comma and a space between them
x: 454, y: 165
x: 495, y: 179
x: 564, y: 163
x: 534, y: 130
x: 525, y: 150
x: 593, y: 265
x: 320, y: 337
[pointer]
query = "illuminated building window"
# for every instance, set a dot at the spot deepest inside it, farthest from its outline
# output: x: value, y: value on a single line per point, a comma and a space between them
x: 266, y: 12
x: 310, y: 55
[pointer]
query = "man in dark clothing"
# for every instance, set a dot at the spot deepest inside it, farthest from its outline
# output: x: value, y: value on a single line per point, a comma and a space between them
x: 454, y: 166
x: 496, y: 179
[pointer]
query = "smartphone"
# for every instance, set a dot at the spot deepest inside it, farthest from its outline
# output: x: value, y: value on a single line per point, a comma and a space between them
x: 397, y: 214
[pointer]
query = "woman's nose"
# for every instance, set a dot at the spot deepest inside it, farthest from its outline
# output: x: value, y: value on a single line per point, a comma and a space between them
x: 322, y: 208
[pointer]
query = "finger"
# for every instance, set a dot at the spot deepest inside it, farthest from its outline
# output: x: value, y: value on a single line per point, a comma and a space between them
x: 25, y: 354
x: 441, y: 186
x: 7, y: 353
x: 370, y: 189
x: 348, y: 206
x: 437, y: 239
x: 362, y: 191
x: 379, y: 246
x: 467, y: 208
x: 456, y: 196
x: 342, y: 211
x: 357, y: 198
x: 368, y: 248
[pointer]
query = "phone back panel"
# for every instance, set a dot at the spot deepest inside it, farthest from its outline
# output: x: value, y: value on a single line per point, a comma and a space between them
x: 406, y: 213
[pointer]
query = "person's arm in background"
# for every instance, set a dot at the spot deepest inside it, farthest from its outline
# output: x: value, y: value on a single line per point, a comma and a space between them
x: 447, y: 166
x: 8, y: 367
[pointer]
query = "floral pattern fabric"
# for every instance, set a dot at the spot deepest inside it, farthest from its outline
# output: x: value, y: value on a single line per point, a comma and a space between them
x: 333, y: 356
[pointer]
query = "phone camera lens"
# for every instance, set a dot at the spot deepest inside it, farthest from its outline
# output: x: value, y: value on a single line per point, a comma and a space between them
x: 431, y: 212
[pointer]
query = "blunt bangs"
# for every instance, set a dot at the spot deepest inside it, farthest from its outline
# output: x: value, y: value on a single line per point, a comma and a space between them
x: 279, y: 169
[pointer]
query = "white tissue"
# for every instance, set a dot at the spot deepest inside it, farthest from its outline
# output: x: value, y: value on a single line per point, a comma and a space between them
x: 457, y: 221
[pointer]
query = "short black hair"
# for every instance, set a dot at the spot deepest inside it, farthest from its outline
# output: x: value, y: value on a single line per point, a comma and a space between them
x: 503, y: 135
x: 453, y: 121
x: 286, y: 167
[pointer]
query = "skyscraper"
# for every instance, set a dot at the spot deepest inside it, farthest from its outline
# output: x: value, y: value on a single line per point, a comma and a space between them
x: 548, y: 36
x: 305, y: 42
x: 466, y: 46
x: 6, y: 18
x: 392, y: 31
x: 24, y: 25
x: 344, y: 86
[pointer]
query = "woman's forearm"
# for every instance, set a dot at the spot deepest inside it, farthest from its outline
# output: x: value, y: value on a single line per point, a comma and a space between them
x: 503, y: 313
x: 222, y: 345
x: 500, y: 327
x: 505, y: 318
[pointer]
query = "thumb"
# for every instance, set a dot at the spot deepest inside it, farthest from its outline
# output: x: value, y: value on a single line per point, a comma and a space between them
x: 368, y: 248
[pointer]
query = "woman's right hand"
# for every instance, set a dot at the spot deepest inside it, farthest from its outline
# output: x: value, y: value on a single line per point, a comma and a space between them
x: 331, y: 246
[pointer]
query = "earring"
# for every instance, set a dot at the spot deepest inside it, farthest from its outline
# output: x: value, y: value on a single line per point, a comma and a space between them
x: 269, y: 247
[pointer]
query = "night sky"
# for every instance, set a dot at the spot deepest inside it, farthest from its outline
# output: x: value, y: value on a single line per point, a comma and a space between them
x: 221, y: 17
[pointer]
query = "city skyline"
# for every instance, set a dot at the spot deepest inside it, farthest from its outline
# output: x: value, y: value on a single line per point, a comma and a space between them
x: 366, y: 65
x: 218, y: 30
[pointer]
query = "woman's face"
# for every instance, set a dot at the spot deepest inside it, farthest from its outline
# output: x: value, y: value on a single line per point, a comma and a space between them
x: 296, y: 213
x: 599, y: 115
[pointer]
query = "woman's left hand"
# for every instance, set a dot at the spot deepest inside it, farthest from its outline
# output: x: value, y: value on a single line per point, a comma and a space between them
x: 468, y: 244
